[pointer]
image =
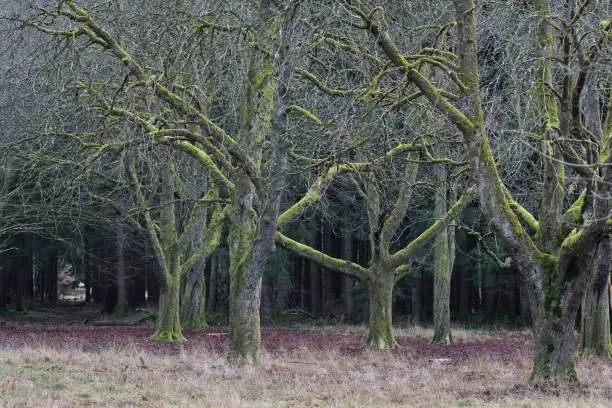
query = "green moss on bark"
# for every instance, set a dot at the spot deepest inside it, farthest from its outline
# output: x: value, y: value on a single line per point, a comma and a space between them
x: 168, y: 326
x: 380, y: 325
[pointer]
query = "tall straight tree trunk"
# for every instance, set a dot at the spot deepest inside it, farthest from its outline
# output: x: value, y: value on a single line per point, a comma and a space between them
x: 248, y: 256
x: 244, y: 303
x: 89, y: 265
x: 168, y: 327
x: 380, y: 325
x: 327, y: 296
x: 51, y: 277
x: 444, y: 254
x: 3, y: 283
x: 263, y: 122
x: 314, y: 274
x: 96, y: 276
x: 122, y: 306
x: 303, y: 266
x: 29, y: 279
x: 315, y: 288
x: 212, y: 286
x: 595, y: 322
x: 21, y: 281
x: 464, y: 295
x: 347, y: 281
x: 193, y: 301
x: 415, y: 299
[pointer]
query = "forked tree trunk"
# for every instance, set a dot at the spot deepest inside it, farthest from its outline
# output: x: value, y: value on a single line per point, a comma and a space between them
x: 595, y: 322
x: 554, y: 348
x: 554, y: 319
x: 380, y: 287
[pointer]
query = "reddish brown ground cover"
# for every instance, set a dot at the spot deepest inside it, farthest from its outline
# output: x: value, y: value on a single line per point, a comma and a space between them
x: 72, y: 362
x: 101, y: 338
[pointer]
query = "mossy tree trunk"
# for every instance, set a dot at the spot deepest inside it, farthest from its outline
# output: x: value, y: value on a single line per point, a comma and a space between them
x: 164, y: 239
x: 178, y: 250
x: 386, y: 268
x: 258, y: 189
x: 553, y: 360
x: 554, y: 319
x: 380, y: 324
x: 168, y: 325
x: 248, y: 256
x: 555, y: 262
x: 444, y: 254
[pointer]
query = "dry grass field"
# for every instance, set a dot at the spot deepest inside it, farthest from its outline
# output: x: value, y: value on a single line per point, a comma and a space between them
x: 120, y: 367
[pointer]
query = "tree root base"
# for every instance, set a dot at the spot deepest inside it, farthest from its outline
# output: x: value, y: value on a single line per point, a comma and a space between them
x: 168, y: 335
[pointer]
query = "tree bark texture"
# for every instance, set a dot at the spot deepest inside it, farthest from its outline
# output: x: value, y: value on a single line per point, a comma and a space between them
x: 247, y: 262
x: 168, y: 327
x: 595, y: 322
x: 193, y: 302
x: 380, y: 325
x: 444, y: 254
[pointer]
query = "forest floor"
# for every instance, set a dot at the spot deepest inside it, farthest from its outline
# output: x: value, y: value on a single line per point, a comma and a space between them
x: 66, y: 363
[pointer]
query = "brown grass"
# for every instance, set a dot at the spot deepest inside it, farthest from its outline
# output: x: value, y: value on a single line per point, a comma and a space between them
x: 129, y: 376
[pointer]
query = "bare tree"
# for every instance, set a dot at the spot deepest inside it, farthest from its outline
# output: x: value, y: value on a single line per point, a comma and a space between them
x: 555, y: 261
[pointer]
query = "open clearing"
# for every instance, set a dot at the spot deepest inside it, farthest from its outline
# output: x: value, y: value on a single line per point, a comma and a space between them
x: 78, y: 366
